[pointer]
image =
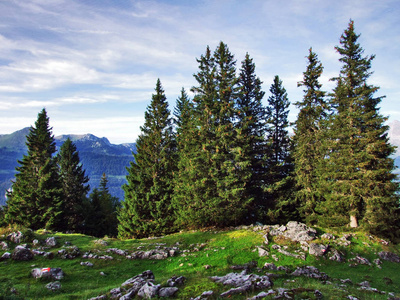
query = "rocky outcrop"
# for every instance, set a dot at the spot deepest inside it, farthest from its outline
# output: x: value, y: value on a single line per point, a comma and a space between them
x: 295, y: 231
x: 311, y: 272
x: 22, y: 253
x: 242, y: 282
x: 144, y: 286
x: 53, y: 273
x: 389, y: 256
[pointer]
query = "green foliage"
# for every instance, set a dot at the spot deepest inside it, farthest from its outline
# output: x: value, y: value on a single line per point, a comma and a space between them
x: 309, y: 139
x: 146, y: 208
x: 101, y: 212
x: 36, y: 197
x: 279, y: 182
x: 359, y: 178
x: 75, y: 188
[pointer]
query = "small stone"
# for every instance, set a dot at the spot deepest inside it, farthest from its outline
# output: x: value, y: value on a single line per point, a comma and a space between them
x: 262, y: 252
x: 53, y: 286
x: 167, y: 292
x: 51, y: 242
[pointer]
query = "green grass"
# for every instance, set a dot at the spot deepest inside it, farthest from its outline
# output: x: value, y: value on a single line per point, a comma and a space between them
x: 217, y: 249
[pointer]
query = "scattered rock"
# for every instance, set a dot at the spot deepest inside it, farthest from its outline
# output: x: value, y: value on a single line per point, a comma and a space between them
x: 297, y: 232
x: 51, y: 242
x: 174, y: 281
x: 360, y: 260
x: 167, y: 292
x: 16, y: 237
x: 54, y: 273
x: 242, y: 282
x: 204, y: 295
x: 6, y: 255
x: 328, y: 236
x: 270, y: 266
x: 53, y: 286
x: 87, y: 264
x: 310, y: 271
x: 149, y: 290
x: 389, y: 256
x: 69, y: 252
x: 22, y: 253
x: 317, y: 249
x: 4, y: 245
x: 336, y: 256
x: 262, y: 295
x: 262, y: 252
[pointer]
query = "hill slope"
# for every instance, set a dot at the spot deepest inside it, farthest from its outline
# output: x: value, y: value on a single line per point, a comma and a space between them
x: 97, y: 155
x: 254, y: 262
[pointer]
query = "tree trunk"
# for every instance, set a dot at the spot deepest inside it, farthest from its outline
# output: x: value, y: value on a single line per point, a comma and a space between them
x: 353, y: 222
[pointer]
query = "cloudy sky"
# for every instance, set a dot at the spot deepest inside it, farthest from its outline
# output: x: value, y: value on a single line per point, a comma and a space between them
x: 93, y: 64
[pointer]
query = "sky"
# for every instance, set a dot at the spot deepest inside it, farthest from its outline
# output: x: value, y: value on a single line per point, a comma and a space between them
x: 93, y: 64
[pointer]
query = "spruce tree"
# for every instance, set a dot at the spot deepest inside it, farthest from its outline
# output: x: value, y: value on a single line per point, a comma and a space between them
x: 75, y: 187
x: 214, y: 167
x: 360, y: 178
x: 278, y: 157
x: 309, y: 149
x: 251, y: 129
x: 35, y: 200
x: 146, y: 209
x: 101, y: 219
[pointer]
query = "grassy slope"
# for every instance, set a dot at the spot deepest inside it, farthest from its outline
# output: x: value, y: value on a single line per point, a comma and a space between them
x: 219, y: 249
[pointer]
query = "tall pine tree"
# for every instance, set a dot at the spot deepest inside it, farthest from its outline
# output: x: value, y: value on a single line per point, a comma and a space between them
x: 146, y: 209
x: 251, y: 126
x: 360, y: 170
x: 75, y: 187
x: 309, y: 149
x: 35, y: 200
x: 278, y: 157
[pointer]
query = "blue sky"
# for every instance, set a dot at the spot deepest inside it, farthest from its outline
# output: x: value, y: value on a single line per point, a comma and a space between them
x: 93, y: 64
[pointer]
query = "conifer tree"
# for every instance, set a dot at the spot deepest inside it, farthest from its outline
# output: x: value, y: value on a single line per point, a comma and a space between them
x: 146, y: 208
x: 35, y: 200
x: 101, y: 219
x: 359, y: 173
x: 214, y: 165
x: 75, y: 187
x: 309, y: 149
x: 278, y: 157
x: 251, y: 129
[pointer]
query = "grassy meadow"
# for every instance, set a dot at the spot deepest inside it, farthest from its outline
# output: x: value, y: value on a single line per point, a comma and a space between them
x: 201, y: 254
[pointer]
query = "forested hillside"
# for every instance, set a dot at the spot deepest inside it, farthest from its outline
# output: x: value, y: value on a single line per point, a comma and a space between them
x: 97, y: 155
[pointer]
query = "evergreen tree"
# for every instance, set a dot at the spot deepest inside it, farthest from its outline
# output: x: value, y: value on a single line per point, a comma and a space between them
x: 278, y: 157
x: 359, y: 173
x: 251, y: 129
x: 75, y: 188
x: 35, y: 200
x: 103, y: 209
x: 214, y: 166
x: 309, y: 150
x: 146, y: 208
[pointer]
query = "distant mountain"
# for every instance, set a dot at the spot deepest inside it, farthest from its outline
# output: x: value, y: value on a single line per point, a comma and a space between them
x: 97, y: 155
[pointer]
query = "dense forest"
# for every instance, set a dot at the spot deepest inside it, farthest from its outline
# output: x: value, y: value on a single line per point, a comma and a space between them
x: 222, y: 158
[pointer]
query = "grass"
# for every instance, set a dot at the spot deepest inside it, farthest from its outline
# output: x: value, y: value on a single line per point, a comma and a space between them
x: 219, y: 250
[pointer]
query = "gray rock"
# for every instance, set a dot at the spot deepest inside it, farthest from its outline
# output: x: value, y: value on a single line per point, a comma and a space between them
x: 204, y: 295
x: 22, y: 254
x: 55, y: 273
x: 270, y: 266
x: 86, y: 263
x: 262, y: 252
x: 311, y: 272
x: 174, y: 281
x: 317, y: 249
x: 262, y: 295
x: 298, y: 232
x: 242, y: 282
x: 389, y: 256
x: 16, y: 237
x: 359, y: 260
x: 53, y: 286
x: 336, y: 256
x: 51, y: 241
x: 149, y: 290
x: 4, y: 245
x: 69, y: 252
x: 167, y: 292
x: 328, y: 236
x: 6, y: 255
